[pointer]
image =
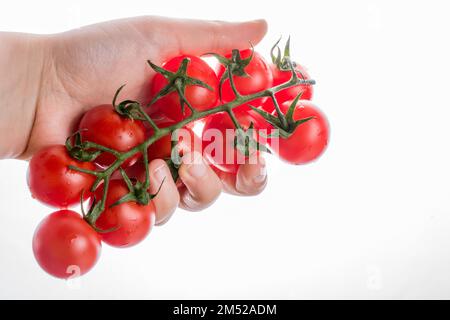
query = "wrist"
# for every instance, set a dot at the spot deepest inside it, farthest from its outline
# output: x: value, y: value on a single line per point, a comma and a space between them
x: 22, y: 60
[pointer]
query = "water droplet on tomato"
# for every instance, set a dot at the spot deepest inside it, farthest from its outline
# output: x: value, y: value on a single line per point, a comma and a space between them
x: 73, y: 239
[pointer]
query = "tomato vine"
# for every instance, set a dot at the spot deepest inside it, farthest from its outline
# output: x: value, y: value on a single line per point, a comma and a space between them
x: 88, y: 151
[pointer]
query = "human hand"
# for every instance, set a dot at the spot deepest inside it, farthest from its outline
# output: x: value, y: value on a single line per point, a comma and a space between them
x: 68, y: 73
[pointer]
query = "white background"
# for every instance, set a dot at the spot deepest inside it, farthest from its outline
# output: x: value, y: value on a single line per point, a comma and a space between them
x: 369, y: 220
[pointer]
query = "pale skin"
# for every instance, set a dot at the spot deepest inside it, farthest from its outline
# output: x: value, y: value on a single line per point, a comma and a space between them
x: 48, y: 82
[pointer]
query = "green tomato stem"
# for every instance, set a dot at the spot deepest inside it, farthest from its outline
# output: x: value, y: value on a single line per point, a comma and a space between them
x: 158, y: 133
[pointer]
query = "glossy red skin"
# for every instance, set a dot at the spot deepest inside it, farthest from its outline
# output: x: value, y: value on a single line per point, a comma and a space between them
x: 103, y: 125
x: 280, y: 77
x: 64, y: 244
x: 162, y: 148
x: 52, y: 182
x: 309, y: 140
x: 199, y: 97
x: 137, y: 171
x: 131, y: 220
x: 260, y: 78
x: 222, y: 122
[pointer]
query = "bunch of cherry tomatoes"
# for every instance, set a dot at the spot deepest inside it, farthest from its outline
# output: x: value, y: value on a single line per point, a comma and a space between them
x: 67, y: 243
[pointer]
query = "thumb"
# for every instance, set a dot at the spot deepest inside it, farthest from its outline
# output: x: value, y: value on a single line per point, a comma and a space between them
x: 183, y: 36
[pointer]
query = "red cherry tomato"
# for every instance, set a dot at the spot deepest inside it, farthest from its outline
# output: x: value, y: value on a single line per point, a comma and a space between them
x: 199, y: 97
x: 218, y: 141
x: 259, y: 78
x: 103, y: 125
x: 65, y: 246
x: 309, y: 139
x: 131, y: 222
x: 51, y: 181
x: 162, y: 148
x: 137, y: 171
x: 290, y: 93
x: 188, y: 141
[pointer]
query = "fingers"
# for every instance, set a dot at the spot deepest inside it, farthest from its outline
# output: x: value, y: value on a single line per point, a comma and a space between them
x: 250, y: 180
x: 168, y: 197
x: 201, y: 185
x: 200, y: 36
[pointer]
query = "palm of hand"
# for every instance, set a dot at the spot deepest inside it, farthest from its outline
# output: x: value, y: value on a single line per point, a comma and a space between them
x: 84, y: 69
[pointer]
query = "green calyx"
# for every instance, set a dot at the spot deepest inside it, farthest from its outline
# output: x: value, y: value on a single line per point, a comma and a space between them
x: 287, y: 129
x: 284, y: 62
x: 246, y: 144
x: 128, y: 108
x: 86, y: 151
x: 234, y: 66
x: 137, y: 191
x: 94, y: 211
x: 177, y: 82
x: 279, y: 59
x: 79, y: 150
x: 244, y: 140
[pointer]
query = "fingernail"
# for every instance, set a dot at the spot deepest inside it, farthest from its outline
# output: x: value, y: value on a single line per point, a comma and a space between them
x: 160, y: 173
x: 195, y: 165
x: 262, y: 172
